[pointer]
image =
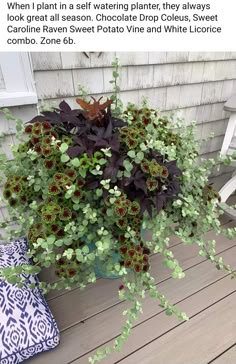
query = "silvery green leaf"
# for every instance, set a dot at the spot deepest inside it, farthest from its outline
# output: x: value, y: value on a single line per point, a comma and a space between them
x: 131, y: 154
x: 75, y: 162
x: 63, y: 148
x: 64, y: 158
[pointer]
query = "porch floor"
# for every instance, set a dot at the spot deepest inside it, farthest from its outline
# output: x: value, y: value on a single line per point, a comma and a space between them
x: 93, y: 317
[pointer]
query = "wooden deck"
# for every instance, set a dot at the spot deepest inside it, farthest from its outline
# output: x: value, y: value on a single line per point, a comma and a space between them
x: 93, y: 317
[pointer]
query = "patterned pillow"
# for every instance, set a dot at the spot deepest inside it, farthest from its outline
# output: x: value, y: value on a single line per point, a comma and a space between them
x: 27, y: 326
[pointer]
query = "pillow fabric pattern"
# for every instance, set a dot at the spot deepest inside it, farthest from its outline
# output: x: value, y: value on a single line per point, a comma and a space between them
x: 27, y: 326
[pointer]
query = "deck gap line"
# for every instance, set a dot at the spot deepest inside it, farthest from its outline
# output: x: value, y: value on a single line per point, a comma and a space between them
x: 225, y: 351
x: 180, y: 323
x: 119, y: 302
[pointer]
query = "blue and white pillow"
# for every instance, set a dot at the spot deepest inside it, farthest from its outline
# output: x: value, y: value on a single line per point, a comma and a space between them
x: 27, y: 326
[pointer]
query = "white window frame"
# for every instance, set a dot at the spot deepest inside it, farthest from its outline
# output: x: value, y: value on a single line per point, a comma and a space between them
x: 18, y: 77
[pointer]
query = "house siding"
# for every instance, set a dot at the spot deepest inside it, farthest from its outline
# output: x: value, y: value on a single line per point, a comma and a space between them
x: 195, y: 85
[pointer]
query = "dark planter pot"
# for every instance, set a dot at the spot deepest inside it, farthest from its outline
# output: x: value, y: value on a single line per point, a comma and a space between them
x: 100, y: 266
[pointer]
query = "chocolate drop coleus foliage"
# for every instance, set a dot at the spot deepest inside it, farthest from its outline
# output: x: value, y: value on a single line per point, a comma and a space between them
x: 152, y: 183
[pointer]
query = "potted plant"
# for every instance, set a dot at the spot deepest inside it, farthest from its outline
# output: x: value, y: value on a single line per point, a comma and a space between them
x: 84, y: 186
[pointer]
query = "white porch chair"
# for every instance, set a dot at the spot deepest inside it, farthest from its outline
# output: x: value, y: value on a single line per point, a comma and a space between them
x: 228, y: 148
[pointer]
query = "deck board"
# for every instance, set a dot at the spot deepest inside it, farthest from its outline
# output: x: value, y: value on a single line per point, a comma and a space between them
x: 228, y: 357
x: 187, y: 343
x: 108, y: 324
x: 159, y: 324
x: 80, y: 304
x: 98, y: 305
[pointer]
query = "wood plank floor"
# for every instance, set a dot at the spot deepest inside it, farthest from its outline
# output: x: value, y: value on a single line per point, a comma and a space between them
x: 93, y: 317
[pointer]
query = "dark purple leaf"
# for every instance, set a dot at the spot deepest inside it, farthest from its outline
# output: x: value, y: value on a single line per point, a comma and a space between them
x: 101, y: 144
x: 75, y: 151
x: 108, y: 130
x: 36, y: 118
x: 160, y: 201
x: 114, y: 143
x: 64, y: 107
x: 92, y: 185
x: 114, y: 163
x: 174, y: 188
x: 172, y: 168
x: 146, y: 205
x: 141, y: 184
x: 118, y: 123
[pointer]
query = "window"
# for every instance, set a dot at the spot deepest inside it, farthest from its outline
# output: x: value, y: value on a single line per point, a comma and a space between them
x: 16, y: 80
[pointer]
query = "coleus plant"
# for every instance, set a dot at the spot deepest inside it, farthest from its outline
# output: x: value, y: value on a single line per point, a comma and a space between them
x: 85, y: 184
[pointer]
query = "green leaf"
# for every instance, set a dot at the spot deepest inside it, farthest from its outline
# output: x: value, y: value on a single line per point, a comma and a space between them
x: 76, y: 206
x: 3, y: 157
x: 44, y: 245
x: 12, y: 279
x: 115, y: 74
x: 68, y: 253
x: 82, y: 172
x: 64, y: 158
x: 168, y: 312
x: 85, y: 249
x: 128, y: 166
x: 18, y: 269
x: 32, y: 285
x: 94, y: 172
x: 143, y: 147
x: 59, y: 242
x: 36, y: 270
x: 127, y: 174
x: 75, y: 162
x: 40, y: 241
x: 102, y: 161
x: 99, y: 192
x: 37, y: 188
x: 20, y: 285
x: 202, y: 253
x: 117, y: 267
x: 63, y: 148
x: 108, y: 350
x: 91, y: 256
x: 169, y: 263
x: 51, y: 239
x: 131, y: 154
x: 184, y: 316
x: 140, y: 156
x: 178, y: 269
x: 67, y: 242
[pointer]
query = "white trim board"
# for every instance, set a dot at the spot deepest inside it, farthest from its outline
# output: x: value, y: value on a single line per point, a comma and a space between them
x: 18, y: 77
